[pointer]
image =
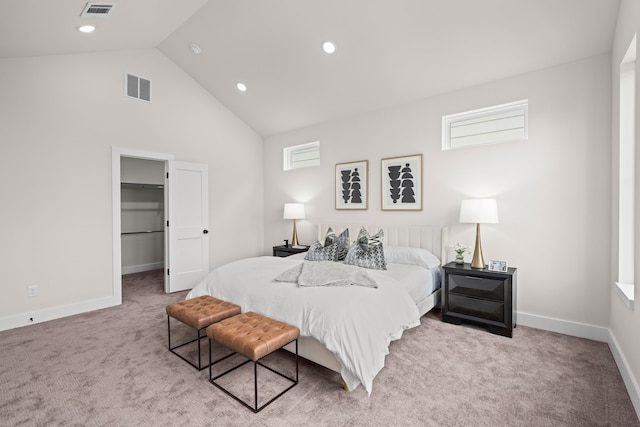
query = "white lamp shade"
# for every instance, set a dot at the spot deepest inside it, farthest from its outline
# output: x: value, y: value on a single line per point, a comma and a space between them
x: 479, y: 211
x: 293, y: 211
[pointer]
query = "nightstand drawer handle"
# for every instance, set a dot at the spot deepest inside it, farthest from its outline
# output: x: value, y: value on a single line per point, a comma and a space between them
x: 473, y: 278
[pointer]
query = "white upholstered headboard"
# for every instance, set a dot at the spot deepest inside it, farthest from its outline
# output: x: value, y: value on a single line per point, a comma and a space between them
x: 433, y: 238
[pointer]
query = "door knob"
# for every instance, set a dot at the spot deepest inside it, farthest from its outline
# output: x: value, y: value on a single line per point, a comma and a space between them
x: 205, y: 231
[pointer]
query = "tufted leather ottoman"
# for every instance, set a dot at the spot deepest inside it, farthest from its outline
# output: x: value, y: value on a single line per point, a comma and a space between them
x: 198, y: 313
x: 254, y: 336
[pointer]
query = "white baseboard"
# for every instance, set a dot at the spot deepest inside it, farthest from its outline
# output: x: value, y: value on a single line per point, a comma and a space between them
x: 142, y: 267
x: 596, y: 333
x: 39, y: 316
x: 625, y: 371
x: 45, y: 315
x: 575, y: 329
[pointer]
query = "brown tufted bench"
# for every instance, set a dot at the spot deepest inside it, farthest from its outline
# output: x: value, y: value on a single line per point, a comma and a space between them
x: 254, y: 336
x: 198, y: 313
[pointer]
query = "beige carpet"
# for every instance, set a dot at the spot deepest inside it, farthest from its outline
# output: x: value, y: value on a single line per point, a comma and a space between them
x: 111, y: 368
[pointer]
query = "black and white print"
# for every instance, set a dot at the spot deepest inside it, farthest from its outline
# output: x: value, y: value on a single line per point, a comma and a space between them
x: 351, y: 185
x: 402, y: 183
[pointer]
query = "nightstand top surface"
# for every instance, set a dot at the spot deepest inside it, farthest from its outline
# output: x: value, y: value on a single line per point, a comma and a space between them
x: 291, y: 247
x: 467, y: 269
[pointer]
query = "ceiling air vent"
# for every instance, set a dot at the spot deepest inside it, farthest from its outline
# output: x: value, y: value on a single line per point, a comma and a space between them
x: 97, y: 9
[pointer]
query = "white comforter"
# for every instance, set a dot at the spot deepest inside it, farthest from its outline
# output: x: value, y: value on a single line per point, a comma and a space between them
x: 355, y: 323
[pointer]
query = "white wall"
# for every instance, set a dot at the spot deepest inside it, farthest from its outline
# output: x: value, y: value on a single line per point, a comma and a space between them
x: 625, y: 323
x: 553, y: 190
x: 59, y: 118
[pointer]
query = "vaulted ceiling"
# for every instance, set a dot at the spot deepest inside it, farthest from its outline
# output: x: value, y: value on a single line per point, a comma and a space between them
x: 388, y: 52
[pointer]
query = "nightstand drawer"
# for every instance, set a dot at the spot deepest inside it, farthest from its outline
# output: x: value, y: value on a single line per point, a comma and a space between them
x: 485, y: 309
x: 473, y: 286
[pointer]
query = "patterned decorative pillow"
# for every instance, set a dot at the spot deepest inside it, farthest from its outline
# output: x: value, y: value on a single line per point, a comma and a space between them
x: 317, y: 252
x: 372, y: 258
x: 367, y: 242
x: 342, y: 240
x: 330, y: 238
x: 343, y: 244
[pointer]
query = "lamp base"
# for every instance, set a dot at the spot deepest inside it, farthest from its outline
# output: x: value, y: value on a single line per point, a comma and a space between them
x: 294, y: 238
x: 478, y: 260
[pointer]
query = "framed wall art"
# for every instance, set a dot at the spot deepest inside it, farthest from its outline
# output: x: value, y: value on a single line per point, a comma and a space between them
x: 402, y: 183
x: 352, y: 185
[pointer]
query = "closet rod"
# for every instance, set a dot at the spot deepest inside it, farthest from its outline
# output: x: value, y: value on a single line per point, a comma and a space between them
x: 143, y: 232
x: 133, y: 185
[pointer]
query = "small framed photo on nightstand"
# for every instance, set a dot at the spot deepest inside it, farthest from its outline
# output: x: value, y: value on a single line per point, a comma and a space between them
x: 498, y: 266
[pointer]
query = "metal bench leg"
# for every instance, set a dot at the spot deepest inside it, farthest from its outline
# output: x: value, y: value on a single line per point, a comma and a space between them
x: 198, y: 338
x: 255, y: 408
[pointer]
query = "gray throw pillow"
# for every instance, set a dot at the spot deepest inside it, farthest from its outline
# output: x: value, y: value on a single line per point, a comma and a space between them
x: 317, y: 252
x: 330, y: 238
x: 342, y: 240
x: 366, y: 242
x: 372, y: 258
x: 343, y: 245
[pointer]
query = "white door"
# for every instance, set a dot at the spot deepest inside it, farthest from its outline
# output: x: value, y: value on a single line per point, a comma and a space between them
x: 188, y: 224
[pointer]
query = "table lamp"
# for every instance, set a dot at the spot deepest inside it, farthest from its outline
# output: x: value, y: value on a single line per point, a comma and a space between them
x: 294, y: 211
x: 478, y: 211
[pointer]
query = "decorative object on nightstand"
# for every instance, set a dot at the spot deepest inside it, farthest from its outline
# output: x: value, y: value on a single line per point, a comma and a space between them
x: 497, y: 266
x: 478, y: 211
x: 460, y: 250
x: 294, y: 211
x: 286, y: 250
x: 482, y: 297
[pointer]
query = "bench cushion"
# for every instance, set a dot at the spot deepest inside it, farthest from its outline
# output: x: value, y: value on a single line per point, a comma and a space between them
x: 202, y: 311
x: 252, y: 334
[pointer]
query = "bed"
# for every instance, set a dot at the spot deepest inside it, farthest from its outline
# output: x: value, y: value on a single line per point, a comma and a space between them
x: 344, y: 328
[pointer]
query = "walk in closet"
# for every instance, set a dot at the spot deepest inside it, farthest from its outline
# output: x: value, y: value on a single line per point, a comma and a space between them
x: 142, y: 214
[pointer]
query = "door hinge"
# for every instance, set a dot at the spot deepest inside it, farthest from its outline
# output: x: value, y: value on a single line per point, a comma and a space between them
x: 167, y: 175
x: 167, y: 223
x: 167, y: 271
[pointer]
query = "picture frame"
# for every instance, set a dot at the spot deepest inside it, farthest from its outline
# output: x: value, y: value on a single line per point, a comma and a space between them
x: 402, y: 183
x: 500, y: 266
x: 351, y: 185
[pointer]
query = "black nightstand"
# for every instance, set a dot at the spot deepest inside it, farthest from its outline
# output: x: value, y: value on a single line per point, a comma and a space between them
x: 482, y: 297
x: 283, y: 251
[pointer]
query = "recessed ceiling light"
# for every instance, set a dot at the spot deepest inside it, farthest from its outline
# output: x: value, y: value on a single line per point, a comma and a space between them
x: 195, y: 49
x: 329, y: 47
x: 241, y: 87
x: 86, y: 28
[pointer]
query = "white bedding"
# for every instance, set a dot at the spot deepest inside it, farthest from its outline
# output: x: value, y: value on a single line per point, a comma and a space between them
x: 415, y: 281
x: 327, y: 273
x: 355, y: 323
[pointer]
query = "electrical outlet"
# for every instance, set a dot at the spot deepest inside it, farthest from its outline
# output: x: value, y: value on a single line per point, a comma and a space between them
x: 32, y: 291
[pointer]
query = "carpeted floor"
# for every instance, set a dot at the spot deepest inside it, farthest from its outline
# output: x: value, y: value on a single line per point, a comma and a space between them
x: 111, y: 368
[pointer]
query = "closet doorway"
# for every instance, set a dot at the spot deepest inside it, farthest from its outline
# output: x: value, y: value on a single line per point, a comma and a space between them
x: 142, y: 216
x: 185, y: 218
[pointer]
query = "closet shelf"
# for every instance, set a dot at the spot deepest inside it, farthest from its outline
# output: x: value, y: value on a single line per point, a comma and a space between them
x: 143, y: 232
x: 134, y: 185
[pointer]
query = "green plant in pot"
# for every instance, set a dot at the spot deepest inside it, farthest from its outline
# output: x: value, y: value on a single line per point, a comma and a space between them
x: 460, y: 250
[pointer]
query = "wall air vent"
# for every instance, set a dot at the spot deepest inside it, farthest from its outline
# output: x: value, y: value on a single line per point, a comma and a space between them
x: 97, y: 9
x: 137, y: 87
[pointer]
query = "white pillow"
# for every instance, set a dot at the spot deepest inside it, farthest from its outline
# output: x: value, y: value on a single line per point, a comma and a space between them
x: 413, y: 256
